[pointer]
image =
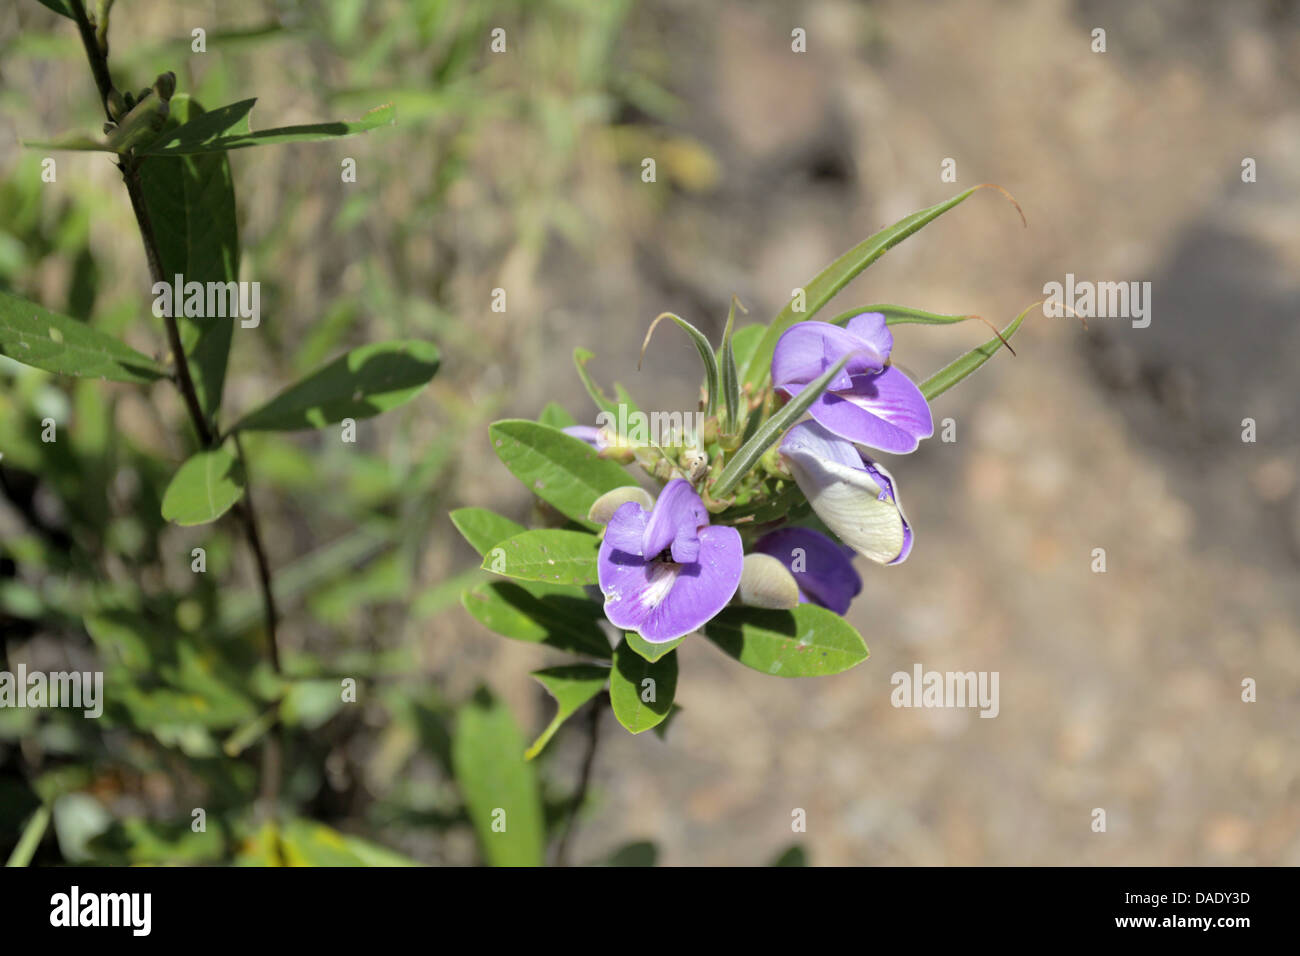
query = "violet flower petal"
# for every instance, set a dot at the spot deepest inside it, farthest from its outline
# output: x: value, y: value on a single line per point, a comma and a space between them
x: 885, y: 411
x: 665, y: 600
x: 626, y: 528
x: 822, y: 568
x: 591, y: 434
x: 871, y: 328
x: 675, y: 522
x: 808, y: 349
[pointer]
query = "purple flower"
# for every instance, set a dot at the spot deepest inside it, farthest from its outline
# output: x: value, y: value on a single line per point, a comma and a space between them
x: 856, y: 497
x: 666, y: 572
x: 593, y: 436
x: 822, y: 568
x: 869, y: 402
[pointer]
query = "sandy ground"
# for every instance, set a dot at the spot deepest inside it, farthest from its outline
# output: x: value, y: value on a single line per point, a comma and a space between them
x: 1119, y: 690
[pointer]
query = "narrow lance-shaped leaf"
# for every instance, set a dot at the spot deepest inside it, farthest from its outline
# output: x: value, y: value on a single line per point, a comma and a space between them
x: 640, y: 692
x: 743, y: 343
x: 500, y: 788
x: 58, y: 6
x: 903, y: 315
x: 837, y: 275
x: 951, y: 374
x: 73, y: 142
x: 701, y: 342
x: 228, y: 128
x: 33, y: 831
x: 360, y: 384
x: 191, y: 203
x: 729, y: 375
x: 624, y: 397
x: 566, y: 473
x: 771, y: 430
x: 205, y: 488
x: 571, y: 686
x: 581, y: 357
x: 141, y: 125
x: 33, y: 335
x: 231, y: 119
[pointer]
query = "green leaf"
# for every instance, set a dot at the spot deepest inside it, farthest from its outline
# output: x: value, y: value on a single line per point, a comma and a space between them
x: 43, y: 339
x: 951, y: 374
x: 251, y: 732
x: 702, y: 346
x: 499, y: 787
x: 628, y: 688
x: 552, y: 556
x: 571, y: 686
x: 136, y: 841
x: 903, y: 315
x: 360, y: 384
x: 311, y: 703
x: 483, y: 528
x: 307, y: 843
x: 640, y: 853
x: 651, y: 652
x: 580, y: 359
x: 561, y: 470
x: 231, y: 119
x: 530, y: 612
x: 58, y: 6
x: 624, y: 398
x: 555, y: 415
x: 809, y: 641
x: 770, y: 432
x: 744, y: 341
x: 205, y: 488
x: 142, y: 124
x: 76, y: 142
x: 33, y: 832
x: 728, y: 375
x: 228, y: 128
x: 836, y: 276
x: 191, y: 203
x: 792, y: 856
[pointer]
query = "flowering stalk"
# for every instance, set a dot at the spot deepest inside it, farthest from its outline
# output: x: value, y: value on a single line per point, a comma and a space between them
x: 744, y: 528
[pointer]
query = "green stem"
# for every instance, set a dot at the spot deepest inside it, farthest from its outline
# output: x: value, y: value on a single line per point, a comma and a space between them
x: 31, y: 838
x: 97, y: 54
x: 584, y: 779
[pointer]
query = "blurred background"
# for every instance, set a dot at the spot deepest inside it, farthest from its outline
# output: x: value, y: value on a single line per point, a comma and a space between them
x: 522, y: 171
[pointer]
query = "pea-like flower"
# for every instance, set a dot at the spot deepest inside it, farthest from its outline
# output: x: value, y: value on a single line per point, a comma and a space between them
x: 667, y: 572
x: 597, y: 438
x: 822, y: 568
x: 870, y: 402
x: 854, y: 496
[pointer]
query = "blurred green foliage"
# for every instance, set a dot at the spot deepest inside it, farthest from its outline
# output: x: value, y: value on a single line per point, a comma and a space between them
x: 91, y: 575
